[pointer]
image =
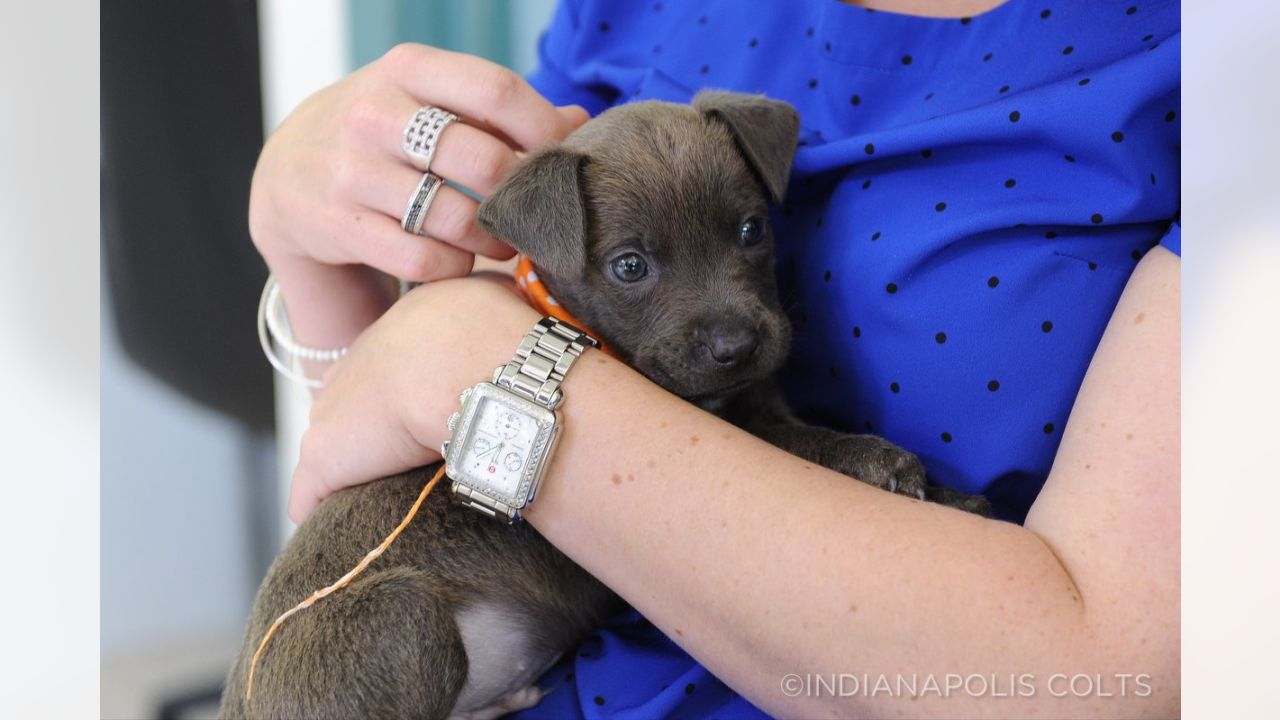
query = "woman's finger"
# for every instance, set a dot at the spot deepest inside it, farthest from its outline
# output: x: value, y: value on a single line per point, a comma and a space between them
x: 451, y: 216
x: 378, y: 241
x: 483, y: 92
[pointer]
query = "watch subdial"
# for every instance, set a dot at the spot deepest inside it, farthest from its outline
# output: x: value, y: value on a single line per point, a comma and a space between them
x: 509, y: 424
x: 482, y: 445
x: 513, y: 461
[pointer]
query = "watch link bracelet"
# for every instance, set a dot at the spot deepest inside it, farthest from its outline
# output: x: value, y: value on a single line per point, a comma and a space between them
x: 507, y: 429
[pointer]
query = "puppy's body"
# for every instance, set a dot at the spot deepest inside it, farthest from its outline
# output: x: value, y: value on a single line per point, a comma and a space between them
x: 461, y: 614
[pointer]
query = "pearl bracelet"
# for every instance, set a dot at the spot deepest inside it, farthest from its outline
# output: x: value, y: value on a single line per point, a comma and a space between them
x: 274, y: 332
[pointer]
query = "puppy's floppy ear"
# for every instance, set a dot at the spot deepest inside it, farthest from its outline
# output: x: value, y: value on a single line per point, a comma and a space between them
x: 766, y: 132
x: 539, y: 210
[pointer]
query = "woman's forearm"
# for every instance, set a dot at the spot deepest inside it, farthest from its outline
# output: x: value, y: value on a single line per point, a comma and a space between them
x: 762, y: 565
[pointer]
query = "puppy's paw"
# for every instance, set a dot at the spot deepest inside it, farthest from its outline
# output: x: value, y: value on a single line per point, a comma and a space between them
x: 976, y: 504
x: 878, y: 462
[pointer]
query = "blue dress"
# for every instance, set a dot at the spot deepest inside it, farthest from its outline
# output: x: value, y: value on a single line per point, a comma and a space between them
x: 968, y: 201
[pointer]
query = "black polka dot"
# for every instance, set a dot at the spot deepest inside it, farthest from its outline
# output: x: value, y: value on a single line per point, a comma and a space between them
x: 1117, y: 136
x: 599, y: 700
x: 1132, y: 9
x: 894, y: 387
x: 604, y: 27
x: 1050, y: 235
x: 1044, y: 14
x: 1136, y: 255
x: 946, y: 437
x: 965, y: 20
x: 1046, y: 326
x: 940, y: 338
x: 705, y: 69
x: 993, y: 281
x: 1048, y: 428
x: 993, y: 385
x: 929, y: 96
x: 1096, y: 219
x: 568, y: 677
x: 940, y: 207
x: 826, y: 277
x: 986, y: 58
x: 891, y: 288
x: 1083, y: 82
x: 813, y: 84
x: 926, y: 154
x: 657, y: 7
x: 1069, y: 158
x: 1004, y: 89
x: 827, y: 46
x: 1010, y: 183
x: 1153, y: 178
x: 1169, y: 116
x: 866, y: 184
x: 753, y: 43
x: 870, y: 149
x: 702, y: 20
x: 1015, y: 116
x: 1068, y: 50
x: 809, y: 32
x: 857, y: 331
x: 1093, y: 266
x: 855, y: 100
x: 1147, y: 38
x: 657, y: 49
x: 875, y: 235
x: 906, y: 59
x: 688, y: 689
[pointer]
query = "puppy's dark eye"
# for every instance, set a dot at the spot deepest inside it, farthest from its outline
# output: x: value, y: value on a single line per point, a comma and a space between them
x: 629, y: 268
x: 751, y: 232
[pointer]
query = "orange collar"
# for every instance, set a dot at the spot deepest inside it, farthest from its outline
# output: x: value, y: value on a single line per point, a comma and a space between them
x: 533, y: 289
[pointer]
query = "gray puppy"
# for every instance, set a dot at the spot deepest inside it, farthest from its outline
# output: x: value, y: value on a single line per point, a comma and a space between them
x: 650, y: 223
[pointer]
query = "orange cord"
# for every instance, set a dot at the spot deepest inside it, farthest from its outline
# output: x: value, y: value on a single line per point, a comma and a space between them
x: 342, y: 581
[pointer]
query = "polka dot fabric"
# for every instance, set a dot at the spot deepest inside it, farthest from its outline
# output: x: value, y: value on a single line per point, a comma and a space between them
x: 968, y: 200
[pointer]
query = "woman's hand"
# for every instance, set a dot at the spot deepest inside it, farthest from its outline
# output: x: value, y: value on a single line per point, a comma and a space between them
x: 385, y: 404
x: 332, y: 182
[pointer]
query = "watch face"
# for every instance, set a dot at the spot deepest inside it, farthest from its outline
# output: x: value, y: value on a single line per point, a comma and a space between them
x: 505, y: 437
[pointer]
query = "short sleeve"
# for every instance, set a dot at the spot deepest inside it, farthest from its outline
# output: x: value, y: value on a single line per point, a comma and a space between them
x: 556, y: 50
x: 1172, y: 239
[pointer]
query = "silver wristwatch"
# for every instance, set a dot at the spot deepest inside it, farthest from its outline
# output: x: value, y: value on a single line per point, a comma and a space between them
x: 507, y: 429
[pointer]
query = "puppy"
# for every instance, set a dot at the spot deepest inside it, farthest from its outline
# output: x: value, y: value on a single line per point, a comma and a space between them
x: 650, y: 224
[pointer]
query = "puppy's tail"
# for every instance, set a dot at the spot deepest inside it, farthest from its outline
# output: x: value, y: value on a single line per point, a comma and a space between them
x: 386, y: 646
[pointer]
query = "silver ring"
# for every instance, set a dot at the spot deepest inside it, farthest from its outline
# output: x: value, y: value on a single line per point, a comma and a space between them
x: 422, y: 133
x: 415, y: 211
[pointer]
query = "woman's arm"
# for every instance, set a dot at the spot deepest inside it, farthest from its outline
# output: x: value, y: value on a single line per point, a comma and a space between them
x: 761, y: 565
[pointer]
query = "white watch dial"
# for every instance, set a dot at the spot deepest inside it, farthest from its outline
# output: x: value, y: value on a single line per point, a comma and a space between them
x: 498, y: 448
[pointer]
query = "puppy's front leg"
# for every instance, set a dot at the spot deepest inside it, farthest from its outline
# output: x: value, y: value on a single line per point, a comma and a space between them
x: 868, y: 458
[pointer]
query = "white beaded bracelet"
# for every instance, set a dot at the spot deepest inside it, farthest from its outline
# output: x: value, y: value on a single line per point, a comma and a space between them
x: 274, y: 331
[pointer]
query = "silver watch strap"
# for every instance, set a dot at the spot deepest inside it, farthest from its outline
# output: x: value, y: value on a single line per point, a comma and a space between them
x: 543, y: 358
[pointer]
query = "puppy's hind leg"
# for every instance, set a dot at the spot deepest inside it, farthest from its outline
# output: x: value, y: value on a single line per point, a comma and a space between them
x: 385, y: 646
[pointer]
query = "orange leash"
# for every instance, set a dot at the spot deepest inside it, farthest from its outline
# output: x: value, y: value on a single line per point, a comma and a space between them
x: 342, y: 581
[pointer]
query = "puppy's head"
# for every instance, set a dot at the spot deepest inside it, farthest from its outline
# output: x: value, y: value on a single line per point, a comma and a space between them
x: 651, y: 224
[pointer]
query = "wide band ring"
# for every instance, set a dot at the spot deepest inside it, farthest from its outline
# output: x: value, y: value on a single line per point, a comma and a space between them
x: 415, y: 211
x: 422, y: 134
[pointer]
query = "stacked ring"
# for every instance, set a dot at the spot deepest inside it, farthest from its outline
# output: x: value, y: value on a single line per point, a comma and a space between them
x: 422, y: 133
x: 415, y: 211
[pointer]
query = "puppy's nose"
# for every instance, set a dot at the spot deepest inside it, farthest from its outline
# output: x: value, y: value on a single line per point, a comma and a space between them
x: 731, y: 344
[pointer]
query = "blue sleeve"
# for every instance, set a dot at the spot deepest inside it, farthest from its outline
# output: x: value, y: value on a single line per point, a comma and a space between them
x: 1172, y: 239
x: 557, y: 48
